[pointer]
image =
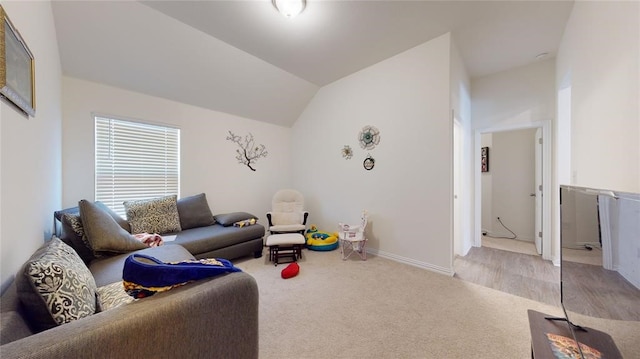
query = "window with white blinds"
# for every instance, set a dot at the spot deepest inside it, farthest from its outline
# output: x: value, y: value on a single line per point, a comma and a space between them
x: 135, y: 161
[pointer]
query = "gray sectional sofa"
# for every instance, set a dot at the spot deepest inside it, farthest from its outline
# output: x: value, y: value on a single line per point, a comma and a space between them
x: 210, y: 318
x: 201, y: 233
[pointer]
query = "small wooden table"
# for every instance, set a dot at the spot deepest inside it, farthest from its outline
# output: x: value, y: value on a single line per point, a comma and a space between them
x: 285, y: 245
x: 541, y: 347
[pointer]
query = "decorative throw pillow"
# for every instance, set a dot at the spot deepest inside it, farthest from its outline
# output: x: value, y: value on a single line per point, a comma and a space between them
x: 73, y: 222
x: 158, y: 215
x: 228, y: 219
x: 112, y: 295
x: 55, y: 286
x: 194, y: 212
x: 103, y: 232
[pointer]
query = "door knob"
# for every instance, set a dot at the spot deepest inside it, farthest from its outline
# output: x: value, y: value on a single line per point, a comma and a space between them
x: 532, y: 194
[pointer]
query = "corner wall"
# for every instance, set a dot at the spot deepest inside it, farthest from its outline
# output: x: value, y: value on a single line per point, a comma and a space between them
x: 599, y: 58
x: 208, y: 161
x: 30, y: 147
x: 409, y: 191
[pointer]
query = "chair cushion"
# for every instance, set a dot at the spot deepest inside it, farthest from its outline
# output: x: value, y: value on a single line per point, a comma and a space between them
x: 285, y: 238
x: 280, y: 218
x: 104, y: 233
x: 55, y: 286
x: 287, y: 228
x: 157, y: 215
x: 194, y: 212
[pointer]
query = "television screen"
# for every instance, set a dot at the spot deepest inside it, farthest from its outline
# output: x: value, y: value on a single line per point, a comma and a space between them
x: 600, y: 253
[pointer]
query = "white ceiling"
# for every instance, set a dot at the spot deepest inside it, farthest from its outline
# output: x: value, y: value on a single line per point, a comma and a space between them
x: 243, y: 58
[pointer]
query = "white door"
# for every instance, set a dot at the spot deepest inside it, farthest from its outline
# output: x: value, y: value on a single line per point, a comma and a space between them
x: 457, y: 217
x: 538, y: 191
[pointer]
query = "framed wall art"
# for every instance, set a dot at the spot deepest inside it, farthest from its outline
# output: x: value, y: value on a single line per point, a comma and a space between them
x: 484, y: 159
x: 17, y: 68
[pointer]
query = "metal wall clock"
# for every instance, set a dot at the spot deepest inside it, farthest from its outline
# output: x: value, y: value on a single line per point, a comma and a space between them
x: 368, y: 163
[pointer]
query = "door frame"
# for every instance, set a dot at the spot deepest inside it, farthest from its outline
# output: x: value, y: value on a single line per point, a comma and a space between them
x: 547, y: 191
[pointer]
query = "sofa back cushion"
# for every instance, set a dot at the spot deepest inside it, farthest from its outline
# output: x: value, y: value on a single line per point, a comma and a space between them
x: 157, y: 215
x: 194, y: 212
x: 55, y: 286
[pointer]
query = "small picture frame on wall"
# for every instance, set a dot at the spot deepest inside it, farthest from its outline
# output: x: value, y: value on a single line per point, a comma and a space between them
x: 17, y: 68
x: 484, y: 159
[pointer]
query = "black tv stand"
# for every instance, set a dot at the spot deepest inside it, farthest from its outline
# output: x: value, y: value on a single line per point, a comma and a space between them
x: 540, y: 326
x: 561, y: 319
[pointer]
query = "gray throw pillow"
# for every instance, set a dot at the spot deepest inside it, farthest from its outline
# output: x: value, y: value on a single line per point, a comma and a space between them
x: 104, y: 233
x: 228, y: 219
x: 194, y: 212
x: 157, y: 215
x: 55, y: 286
x: 72, y: 231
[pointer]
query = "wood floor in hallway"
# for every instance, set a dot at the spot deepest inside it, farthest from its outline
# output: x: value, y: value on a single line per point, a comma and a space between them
x: 524, y: 275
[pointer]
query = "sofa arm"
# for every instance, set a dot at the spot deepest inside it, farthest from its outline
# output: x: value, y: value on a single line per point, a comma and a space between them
x: 211, y: 318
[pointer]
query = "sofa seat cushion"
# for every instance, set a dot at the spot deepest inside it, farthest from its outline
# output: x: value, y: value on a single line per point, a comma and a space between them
x: 55, y: 286
x: 210, y: 238
x: 108, y: 270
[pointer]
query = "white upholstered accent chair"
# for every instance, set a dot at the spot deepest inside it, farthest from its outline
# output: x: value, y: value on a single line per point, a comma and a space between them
x: 352, y: 238
x: 287, y: 213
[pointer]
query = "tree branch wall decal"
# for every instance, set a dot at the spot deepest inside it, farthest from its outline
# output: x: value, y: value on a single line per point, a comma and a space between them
x: 249, y: 152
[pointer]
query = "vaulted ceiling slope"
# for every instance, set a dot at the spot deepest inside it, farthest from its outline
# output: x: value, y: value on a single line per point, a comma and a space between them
x: 243, y: 58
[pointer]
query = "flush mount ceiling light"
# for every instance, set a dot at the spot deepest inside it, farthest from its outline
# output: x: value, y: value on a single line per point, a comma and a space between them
x: 289, y: 8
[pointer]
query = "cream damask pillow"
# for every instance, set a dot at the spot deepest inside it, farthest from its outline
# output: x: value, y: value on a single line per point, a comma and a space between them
x: 158, y: 215
x: 55, y: 286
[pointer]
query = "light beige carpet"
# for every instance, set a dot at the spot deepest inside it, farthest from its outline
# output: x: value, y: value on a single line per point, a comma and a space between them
x: 384, y: 309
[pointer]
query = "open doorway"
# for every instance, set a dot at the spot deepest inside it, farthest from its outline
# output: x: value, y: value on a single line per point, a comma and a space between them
x: 510, y: 175
x: 539, y: 219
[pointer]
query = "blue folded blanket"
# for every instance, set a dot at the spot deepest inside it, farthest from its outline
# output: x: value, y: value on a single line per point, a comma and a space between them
x: 144, y: 275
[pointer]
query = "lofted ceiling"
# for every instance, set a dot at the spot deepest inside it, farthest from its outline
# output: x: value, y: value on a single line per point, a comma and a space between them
x: 244, y: 58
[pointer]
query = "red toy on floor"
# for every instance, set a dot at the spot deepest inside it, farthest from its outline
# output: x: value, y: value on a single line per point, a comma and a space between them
x: 290, y: 271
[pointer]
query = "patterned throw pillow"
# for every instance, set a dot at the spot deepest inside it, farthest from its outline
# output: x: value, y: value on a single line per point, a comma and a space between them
x: 55, y: 286
x: 112, y: 295
x: 79, y: 241
x: 158, y: 215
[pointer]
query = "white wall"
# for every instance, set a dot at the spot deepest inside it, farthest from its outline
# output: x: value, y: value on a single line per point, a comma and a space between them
x: 408, y: 193
x: 208, y: 161
x: 30, y: 147
x: 521, y: 95
x: 600, y: 54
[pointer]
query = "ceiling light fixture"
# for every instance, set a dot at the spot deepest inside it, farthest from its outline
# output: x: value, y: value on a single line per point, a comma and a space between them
x: 289, y: 8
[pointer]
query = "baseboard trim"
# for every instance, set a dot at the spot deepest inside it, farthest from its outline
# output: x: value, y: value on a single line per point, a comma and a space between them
x: 412, y: 262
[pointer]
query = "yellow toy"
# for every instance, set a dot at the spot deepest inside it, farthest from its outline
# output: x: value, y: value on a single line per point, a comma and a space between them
x: 321, y: 241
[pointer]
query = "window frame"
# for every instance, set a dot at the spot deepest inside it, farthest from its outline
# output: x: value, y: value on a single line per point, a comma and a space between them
x: 134, y: 160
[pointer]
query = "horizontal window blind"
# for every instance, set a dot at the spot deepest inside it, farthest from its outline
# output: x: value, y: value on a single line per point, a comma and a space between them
x: 135, y: 161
